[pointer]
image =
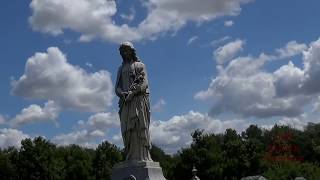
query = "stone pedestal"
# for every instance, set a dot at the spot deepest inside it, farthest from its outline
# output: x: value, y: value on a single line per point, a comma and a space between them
x: 140, y: 170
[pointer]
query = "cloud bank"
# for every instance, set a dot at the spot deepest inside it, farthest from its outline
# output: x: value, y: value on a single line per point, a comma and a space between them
x: 243, y: 87
x: 225, y: 53
x: 95, y: 18
x: 49, y: 76
x: 35, y: 113
x: 87, y: 133
x: 11, y: 137
x: 175, y: 133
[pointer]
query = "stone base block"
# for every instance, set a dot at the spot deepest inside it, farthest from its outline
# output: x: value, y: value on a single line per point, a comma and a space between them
x: 140, y: 170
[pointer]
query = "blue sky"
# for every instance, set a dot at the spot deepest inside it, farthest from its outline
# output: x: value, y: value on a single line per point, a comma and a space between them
x: 212, y: 64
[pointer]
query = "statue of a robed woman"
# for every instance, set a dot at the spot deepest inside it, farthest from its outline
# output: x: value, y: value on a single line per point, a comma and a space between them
x: 132, y: 88
x: 134, y: 108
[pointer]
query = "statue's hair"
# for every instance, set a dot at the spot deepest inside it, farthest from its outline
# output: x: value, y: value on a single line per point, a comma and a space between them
x: 133, y: 50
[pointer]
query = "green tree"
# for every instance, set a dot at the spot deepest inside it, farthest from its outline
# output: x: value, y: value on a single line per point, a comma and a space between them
x: 234, y: 153
x: 205, y: 154
x: 252, y: 132
x: 254, y: 148
x: 312, y: 147
x: 36, y: 159
x: 77, y: 162
x: 8, y: 169
x: 106, y: 156
x: 167, y: 162
x: 290, y: 170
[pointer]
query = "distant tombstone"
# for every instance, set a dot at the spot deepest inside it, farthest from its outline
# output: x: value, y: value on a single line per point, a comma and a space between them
x: 254, y: 178
x: 194, y: 172
x: 300, y: 178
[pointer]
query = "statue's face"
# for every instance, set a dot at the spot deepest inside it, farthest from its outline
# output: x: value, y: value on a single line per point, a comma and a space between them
x: 126, y: 53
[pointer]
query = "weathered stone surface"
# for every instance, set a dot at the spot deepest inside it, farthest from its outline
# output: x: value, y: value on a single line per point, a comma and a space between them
x: 140, y: 170
x: 254, y: 178
x: 300, y: 178
x: 132, y: 88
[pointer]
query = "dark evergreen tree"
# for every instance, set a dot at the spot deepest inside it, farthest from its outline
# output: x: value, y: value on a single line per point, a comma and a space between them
x: 106, y: 156
x: 167, y: 162
x: 36, y: 159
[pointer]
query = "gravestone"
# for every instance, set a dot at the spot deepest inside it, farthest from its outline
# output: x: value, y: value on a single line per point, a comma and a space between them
x: 194, y: 173
x: 299, y: 178
x: 254, y: 178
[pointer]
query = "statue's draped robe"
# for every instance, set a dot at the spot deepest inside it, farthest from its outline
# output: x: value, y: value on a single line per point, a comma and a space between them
x: 134, y: 114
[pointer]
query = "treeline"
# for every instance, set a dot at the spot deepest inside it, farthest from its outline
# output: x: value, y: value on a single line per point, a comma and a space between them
x: 279, y: 153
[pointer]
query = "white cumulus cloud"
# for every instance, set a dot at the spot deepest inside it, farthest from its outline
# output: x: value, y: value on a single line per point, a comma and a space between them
x: 171, y: 135
x: 244, y: 87
x: 91, y: 18
x: 81, y: 137
x: 2, y: 119
x: 316, y: 105
x: 216, y: 42
x: 225, y: 53
x: 292, y: 48
x: 294, y: 81
x: 103, y: 121
x: 192, y: 39
x: 49, y: 76
x: 35, y: 113
x: 129, y: 17
x: 228, y: 23
x: 159, y: 105
x: 97, y: 133
x: 11, y: 137
x: 288, y: 80
x: 89, y: 133
x: 294, y: 122
x: 175, y: 133
x: 94, y: 18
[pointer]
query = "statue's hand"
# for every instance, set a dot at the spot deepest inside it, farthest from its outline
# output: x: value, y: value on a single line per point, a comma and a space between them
x: 129, y: 96
x: 124, y: 95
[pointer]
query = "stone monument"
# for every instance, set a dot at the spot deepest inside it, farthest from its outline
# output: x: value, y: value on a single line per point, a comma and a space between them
x: 299, y: 178
x: 254, y: 178
x: 194, y: 173
x: 132, y: 88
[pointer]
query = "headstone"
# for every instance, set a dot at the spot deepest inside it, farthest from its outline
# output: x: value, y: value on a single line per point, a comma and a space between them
x: 254, y: 178
x: 300, y: 178
x: 194, y: 173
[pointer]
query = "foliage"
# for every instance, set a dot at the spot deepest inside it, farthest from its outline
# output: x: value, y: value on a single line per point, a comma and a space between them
x: 279, y: 153
x: 166, y: 161
x: 290, y: 170
x: 106, y: 156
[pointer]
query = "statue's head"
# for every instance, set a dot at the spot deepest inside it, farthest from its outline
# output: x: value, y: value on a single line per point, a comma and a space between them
x: 127, y: 51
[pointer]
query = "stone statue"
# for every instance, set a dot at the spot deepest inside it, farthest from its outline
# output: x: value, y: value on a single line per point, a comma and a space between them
x: 133, y: 90
x: 194, y: 173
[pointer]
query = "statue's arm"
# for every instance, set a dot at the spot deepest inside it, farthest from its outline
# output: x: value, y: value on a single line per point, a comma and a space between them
x: 118, y: 89
x: 118, y: 92
x: 143, y: 85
